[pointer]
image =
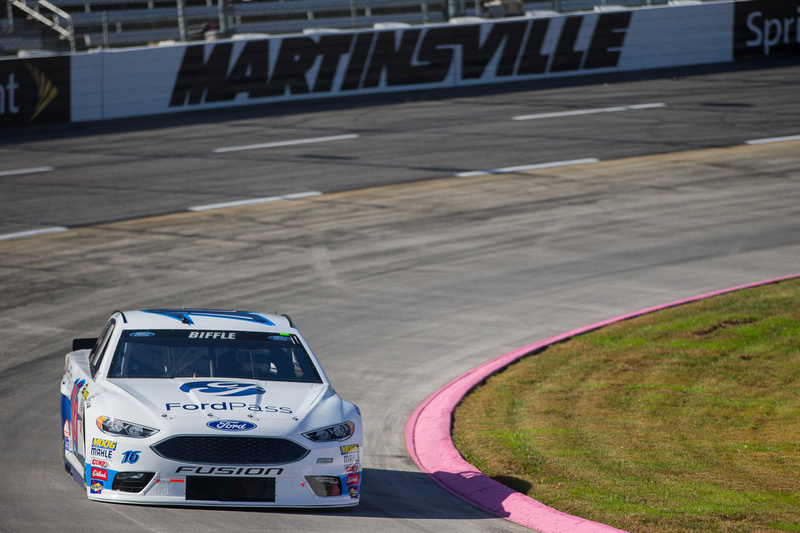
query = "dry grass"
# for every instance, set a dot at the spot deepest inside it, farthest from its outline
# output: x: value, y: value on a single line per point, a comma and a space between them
x: 683, y: 420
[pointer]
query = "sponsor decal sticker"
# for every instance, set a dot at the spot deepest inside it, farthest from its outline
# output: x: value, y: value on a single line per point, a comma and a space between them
x: 353, y: 479
x: 100, y: 473
x: 76, y: 415
x: 353, y: 458
x: 231, y: 425
x: 101, y: 463
x: 102, y: 443
x: 212, y: 335
x: 228, y: 406
x: 355, y: 467
x: 229, y: 471
x: 142, y: 334
x: 96, y: 486
x: 130, y: 456
x: 349, y: 448
x: 103, y: 448
x: 324, y: 460
x: 223, y: 388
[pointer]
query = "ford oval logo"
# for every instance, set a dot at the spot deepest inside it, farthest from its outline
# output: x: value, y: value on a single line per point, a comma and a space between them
x: 231, y: 425
x: 223, y: 388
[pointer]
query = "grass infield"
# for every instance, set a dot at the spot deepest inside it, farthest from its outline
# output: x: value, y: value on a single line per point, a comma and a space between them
x: 687, y: 419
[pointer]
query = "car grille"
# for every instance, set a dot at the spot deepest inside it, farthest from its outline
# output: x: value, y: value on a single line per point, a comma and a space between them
x: 230, y: 450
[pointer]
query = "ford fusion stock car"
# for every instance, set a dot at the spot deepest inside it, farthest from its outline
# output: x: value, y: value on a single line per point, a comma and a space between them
x: 209, y: 408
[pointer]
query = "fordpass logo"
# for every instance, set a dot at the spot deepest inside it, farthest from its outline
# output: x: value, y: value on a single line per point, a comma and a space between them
x: 223, y: 388
x: 231, y: 425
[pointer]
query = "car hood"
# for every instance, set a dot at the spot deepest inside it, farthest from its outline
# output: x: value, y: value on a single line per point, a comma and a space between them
x: 221, y: 398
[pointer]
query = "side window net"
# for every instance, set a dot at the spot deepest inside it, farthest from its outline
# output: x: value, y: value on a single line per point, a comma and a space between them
x: 99, y: 350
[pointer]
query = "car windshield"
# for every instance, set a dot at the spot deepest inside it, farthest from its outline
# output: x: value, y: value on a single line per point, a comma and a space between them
x: 223, y: 354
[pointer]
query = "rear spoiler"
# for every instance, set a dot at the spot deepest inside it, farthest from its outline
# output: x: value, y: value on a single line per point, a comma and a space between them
x: 83, y: 344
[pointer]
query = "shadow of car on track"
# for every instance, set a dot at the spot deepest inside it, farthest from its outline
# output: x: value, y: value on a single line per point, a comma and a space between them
x: 396, y: 494
x: 391, y: 494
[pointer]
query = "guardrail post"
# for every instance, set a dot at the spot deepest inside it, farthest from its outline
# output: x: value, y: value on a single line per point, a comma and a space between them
x: 222, y: 18
x: 105, y: 29
x: 181, y: 19
x: 10, y: 17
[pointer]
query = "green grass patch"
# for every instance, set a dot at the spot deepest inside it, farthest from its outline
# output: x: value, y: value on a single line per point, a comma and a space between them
x: 683, y: 420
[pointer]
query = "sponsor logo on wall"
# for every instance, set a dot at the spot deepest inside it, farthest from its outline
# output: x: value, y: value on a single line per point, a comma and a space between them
x: 34, y: 91
x: 345, y: 63
x: 766, y: 28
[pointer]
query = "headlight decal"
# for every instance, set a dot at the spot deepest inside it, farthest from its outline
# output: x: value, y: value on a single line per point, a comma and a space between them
x: 122, y: 428
x: 336, y: 432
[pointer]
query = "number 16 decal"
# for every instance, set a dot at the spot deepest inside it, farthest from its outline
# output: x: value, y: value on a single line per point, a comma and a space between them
x: 130, y: 457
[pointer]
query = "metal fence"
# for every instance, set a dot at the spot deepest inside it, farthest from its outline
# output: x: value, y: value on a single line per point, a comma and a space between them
x: 76, y: 25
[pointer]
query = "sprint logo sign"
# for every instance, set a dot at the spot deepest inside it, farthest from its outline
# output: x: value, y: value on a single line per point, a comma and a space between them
x: 34, y: 91
x: 766, y: 28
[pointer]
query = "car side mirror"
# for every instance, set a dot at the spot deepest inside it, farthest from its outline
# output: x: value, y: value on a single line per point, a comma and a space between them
x: 83, y: 344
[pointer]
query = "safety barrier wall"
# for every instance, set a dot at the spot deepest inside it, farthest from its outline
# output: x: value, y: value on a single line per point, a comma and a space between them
x: 183, y: 77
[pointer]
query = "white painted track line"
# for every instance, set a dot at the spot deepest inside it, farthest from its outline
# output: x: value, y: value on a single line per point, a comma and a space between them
x: 25, y: 171
x: 254, y: 201
x: 286, y: 143
x: 31, y: 233
x: 590, y: 111
x: 507, y: 170
x: 774, y: 140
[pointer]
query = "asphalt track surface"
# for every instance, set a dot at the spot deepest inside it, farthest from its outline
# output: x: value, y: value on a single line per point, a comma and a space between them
x: 401, y: 275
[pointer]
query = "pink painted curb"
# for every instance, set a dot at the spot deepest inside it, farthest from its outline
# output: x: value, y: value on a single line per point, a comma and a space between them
x: 427, y: 436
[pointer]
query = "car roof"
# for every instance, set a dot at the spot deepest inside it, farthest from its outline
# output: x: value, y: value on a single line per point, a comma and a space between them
x: 221, y: 319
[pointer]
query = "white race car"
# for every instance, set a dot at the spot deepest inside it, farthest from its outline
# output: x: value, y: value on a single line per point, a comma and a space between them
x: 210, y: 408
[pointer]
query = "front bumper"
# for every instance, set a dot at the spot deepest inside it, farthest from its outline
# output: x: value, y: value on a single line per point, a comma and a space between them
x: 211, y: 491
x: 328, y: 476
